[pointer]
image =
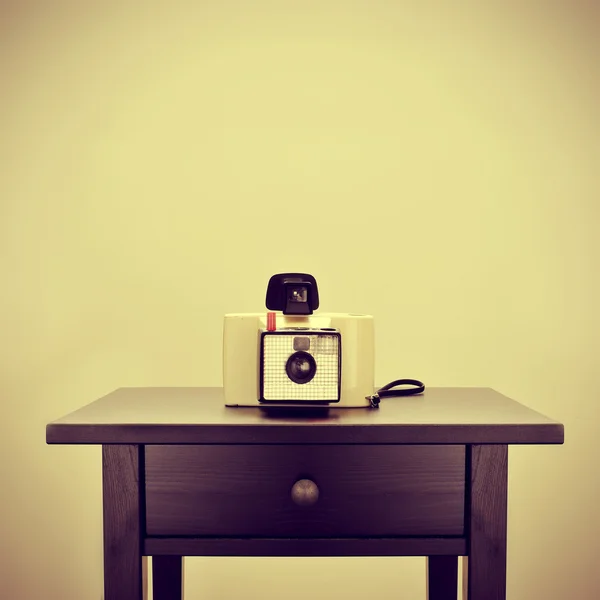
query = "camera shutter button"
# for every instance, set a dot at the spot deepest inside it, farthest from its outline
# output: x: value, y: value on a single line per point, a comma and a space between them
x: 305, y: 492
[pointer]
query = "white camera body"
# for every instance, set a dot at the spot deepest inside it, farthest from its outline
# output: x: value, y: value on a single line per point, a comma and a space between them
x: 264, y: 365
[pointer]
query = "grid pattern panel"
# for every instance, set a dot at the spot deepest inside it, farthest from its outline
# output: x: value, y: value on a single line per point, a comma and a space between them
x: 325, y: 349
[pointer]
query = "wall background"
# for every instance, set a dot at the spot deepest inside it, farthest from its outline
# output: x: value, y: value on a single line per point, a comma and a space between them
x: 155, y: 160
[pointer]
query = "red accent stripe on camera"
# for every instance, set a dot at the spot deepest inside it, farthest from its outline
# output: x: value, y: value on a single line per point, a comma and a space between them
x: 271, y: 321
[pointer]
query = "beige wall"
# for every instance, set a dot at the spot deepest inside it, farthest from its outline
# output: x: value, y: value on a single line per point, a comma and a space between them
x: 435, y: 166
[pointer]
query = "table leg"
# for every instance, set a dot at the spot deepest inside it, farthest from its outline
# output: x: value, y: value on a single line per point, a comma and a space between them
x: 124, y: 572
x: 484, y: 569
x: 167, y: 578
x: 442, y: 577
x: 145, y: 577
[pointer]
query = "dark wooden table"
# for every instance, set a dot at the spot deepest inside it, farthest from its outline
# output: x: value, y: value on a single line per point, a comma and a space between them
x: 421, y: 476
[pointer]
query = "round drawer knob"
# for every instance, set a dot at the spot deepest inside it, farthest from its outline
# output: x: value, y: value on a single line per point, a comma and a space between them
x: 305, y: 492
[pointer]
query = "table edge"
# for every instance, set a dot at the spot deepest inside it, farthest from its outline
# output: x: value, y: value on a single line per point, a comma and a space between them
x: 149, y: 434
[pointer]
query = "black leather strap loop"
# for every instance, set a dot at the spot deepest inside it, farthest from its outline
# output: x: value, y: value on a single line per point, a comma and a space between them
x: 388, y: 390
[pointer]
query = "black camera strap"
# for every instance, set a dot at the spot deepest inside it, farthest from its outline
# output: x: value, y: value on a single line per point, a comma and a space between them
x: 388, y: 390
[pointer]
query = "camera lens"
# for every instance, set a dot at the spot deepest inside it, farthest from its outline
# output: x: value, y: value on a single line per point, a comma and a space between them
x: 301, y: 367
x: 298, y: 294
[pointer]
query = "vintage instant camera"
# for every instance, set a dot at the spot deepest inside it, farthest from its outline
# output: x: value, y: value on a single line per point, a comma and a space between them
x: 289, y: 356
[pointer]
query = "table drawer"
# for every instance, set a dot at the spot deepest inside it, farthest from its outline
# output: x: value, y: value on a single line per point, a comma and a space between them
x: 379, y: 490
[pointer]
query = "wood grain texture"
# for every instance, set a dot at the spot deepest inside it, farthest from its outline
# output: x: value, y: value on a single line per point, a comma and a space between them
x: 167, y: 577
x: 199, y: 416
x: 484, y: 572
x: 246, y: 491
x: 123, y: 566
x: 305, y: 547
x: 442, y: 577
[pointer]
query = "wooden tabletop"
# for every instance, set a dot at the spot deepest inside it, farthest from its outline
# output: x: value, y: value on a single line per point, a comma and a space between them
x: 178, y: 415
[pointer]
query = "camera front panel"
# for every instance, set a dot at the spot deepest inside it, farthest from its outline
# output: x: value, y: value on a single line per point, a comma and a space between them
x: 300, y: 365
